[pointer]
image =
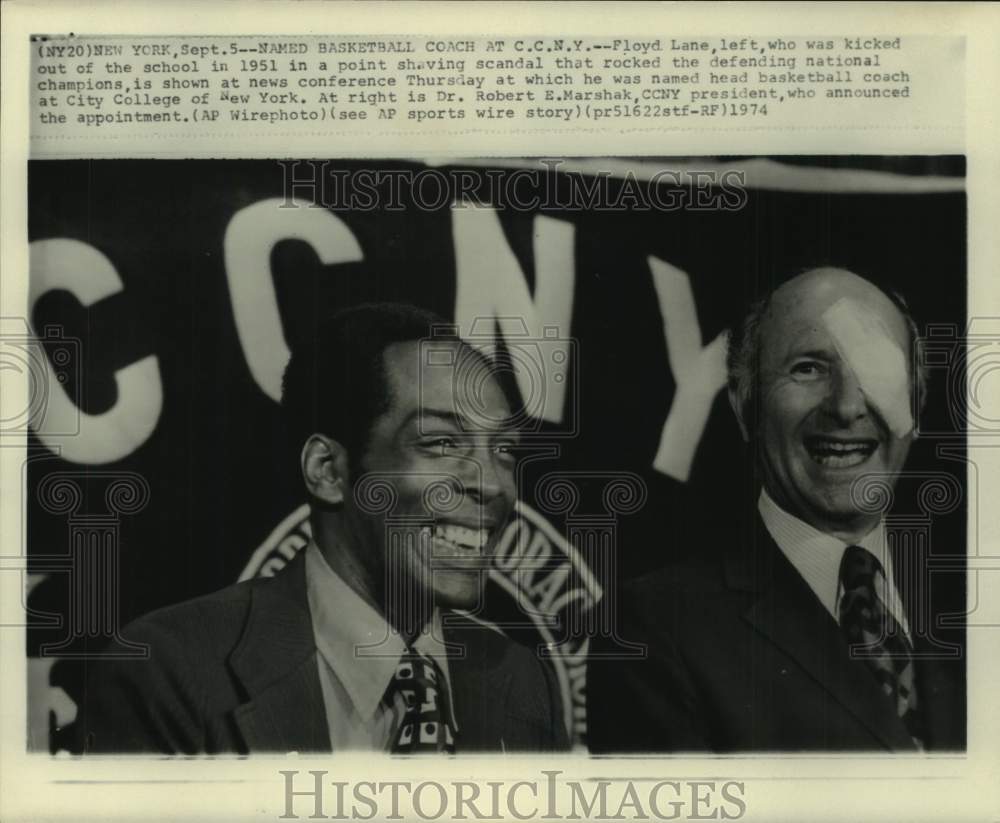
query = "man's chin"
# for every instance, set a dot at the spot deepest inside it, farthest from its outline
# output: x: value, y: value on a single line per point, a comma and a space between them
x: 458, y: 589
x: 841, y: 514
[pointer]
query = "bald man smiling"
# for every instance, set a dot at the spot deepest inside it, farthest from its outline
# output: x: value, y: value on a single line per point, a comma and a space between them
x: 799, y: 636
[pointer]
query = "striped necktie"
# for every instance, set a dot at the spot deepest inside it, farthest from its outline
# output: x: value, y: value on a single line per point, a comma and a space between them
x: 874, y: 635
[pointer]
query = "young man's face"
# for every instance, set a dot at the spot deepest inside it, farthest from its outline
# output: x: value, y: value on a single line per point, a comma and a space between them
x: 444, y: 449
x: 819, y: 430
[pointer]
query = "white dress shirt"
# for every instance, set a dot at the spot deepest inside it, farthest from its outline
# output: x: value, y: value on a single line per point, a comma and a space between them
x: 357, y: 656
x: 816, y: 556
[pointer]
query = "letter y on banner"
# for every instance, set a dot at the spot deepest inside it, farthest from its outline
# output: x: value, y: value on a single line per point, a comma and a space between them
x: 699, y: 372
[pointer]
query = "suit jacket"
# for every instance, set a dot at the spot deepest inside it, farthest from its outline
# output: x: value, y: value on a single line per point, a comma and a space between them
x: 236, y: 672
x: 742, y: 656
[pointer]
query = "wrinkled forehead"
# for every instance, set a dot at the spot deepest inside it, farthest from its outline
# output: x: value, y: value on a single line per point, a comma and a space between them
x: 817, y: 310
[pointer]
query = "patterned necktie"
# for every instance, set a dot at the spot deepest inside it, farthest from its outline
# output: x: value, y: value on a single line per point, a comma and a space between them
x: 426, y: 724
x: 874, y: 635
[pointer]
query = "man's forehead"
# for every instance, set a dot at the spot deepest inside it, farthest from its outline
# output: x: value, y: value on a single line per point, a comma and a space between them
x: 445, y: 379
x: 800, y: 311
x: 431, y: 418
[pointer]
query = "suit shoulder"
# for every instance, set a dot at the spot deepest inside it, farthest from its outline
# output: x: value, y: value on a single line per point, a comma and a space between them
x: 220, y: 612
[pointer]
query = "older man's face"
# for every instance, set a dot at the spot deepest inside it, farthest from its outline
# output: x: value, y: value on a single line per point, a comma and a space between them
x: 819, y: 429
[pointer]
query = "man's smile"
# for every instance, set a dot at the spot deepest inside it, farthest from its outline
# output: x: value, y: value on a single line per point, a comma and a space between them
x: 457, y: 541
x: 840, y: 452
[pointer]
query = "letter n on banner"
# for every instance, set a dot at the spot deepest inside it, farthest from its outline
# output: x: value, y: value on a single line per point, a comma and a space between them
x: 492, y: 286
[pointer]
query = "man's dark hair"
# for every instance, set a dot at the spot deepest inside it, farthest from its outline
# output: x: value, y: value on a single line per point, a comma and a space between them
x: 335, y: 382
x: 743, y: 354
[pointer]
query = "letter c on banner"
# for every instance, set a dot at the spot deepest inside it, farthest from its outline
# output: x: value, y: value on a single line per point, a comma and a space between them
x: 250, y: 236
x: 62, y: 263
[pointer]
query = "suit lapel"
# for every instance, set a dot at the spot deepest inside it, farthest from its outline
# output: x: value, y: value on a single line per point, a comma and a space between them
x: 288, y: 715
x: 479, y: 694
x: 790, y: 615
x: 275, y: 661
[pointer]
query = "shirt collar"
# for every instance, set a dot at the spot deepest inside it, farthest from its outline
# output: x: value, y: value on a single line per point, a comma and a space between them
x: 343, y: 621
x: 816, y: 555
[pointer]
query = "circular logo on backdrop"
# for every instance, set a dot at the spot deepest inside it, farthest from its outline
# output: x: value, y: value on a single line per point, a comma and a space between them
x: 538, y: 587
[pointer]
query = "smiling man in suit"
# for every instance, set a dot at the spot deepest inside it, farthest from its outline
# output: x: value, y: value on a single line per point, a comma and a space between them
x: 406, y: 454
x: 798, y: 635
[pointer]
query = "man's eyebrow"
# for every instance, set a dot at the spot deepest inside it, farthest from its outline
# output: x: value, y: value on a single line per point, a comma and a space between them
x: 447, y: 415
x: 458, y: 420
x: 816, y: 354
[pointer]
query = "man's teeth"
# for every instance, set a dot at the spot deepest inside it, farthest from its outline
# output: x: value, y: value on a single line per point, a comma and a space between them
x: 459, y: 537
x: 840, y: 454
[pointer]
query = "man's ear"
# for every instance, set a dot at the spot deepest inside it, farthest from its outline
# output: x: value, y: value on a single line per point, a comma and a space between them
x: 736, y: 403
x: 325, y: 469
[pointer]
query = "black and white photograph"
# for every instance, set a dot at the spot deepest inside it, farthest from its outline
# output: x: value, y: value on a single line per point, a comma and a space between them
x: 536, y: 411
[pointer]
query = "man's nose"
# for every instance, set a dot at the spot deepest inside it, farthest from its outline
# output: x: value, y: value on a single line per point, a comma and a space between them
x: 484, y: 480
x: 845, y: 401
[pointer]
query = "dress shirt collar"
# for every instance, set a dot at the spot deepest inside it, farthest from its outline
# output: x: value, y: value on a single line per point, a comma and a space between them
x: 816, y: 555
x: 343, y: 620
